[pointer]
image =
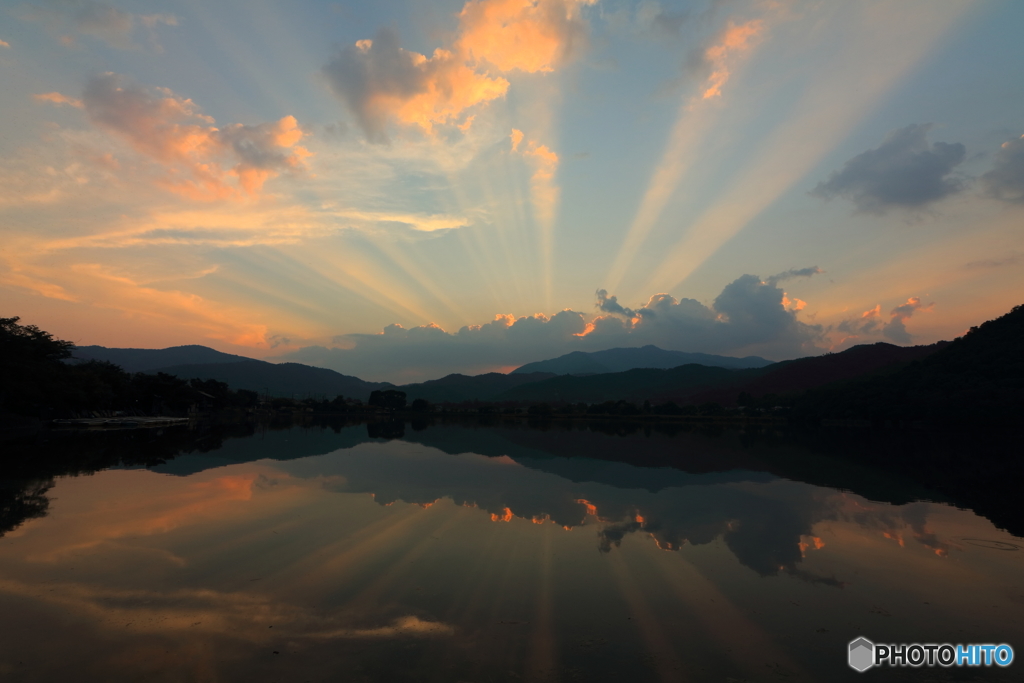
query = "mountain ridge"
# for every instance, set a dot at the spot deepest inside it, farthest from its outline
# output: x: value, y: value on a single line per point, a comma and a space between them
x: 280, y: 379
x: 621, y: 359
x: 146, y: 360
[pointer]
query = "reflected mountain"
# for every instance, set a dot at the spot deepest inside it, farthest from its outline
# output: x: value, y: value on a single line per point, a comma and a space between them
x: 765, y: 521
x: 758, y: 493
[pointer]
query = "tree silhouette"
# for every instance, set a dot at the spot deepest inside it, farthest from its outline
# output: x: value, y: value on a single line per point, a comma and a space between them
x: 390, y: 399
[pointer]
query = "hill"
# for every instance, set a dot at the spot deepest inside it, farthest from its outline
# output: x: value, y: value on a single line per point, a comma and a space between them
x: 458, y: 388
x: 622, y: 359
x: 279, y: 379
x: 799, y: 375
x: 148, y: 360
x: 976, y: 379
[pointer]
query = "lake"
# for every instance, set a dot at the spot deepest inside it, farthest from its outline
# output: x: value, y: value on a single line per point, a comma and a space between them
x: 478, y: 553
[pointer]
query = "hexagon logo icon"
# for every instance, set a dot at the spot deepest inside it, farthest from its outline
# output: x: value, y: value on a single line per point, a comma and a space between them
x: 862, y: 654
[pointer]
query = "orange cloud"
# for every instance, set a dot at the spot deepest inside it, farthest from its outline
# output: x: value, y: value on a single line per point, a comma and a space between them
x: 591, y: 508
x: 525, y: 35
x: 57, y: 99
x: 170, y: 130
x: 904, y: 311
x: 793, y: 304
x: 736, y: 39
x: 378, y: 80
x: 517, y: 137
x: 450, y: 89
x: 506, y: 516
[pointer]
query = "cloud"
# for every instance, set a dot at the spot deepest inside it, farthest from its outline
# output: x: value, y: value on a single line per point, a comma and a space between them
x: 525, y: 35
x: 749, y: 316
x: 717, y: 59
x: 378, y: 80
x: 902, y: 172
x: 1006, y: 179
x: 764, y: 526
x: 610, y: 304
x: 517, y: 137
x: 895, y: 329
x: 870, y: 324
x: 1009, y: 260
x: 98, y: 20
x: 4, y: 43
x: 170, y: 130
x: 794, y: 272
x: 56, y: 99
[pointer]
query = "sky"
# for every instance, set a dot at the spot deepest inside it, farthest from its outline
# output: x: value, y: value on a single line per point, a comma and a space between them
x: 400, y: 190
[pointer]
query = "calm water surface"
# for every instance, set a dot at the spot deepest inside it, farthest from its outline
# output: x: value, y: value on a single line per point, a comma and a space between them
x: 456, y: 554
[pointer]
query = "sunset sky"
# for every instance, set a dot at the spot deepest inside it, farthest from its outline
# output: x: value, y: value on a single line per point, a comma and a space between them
x: 399, y: 190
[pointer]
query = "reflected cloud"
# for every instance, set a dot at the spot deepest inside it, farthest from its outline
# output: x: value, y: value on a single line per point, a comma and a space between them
x: 146, y: 506
x: 405, y: 626
x: 453, y: 549
x: 766, y: 531
x: 241, y: 615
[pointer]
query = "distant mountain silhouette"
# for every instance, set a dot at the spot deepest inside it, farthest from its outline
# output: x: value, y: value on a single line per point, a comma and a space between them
x: 458, y: 388
x: 622, y: 359
x: 147, y: 360
x: 280, y: 379
x: 631, y: 385
x: 694, y: 383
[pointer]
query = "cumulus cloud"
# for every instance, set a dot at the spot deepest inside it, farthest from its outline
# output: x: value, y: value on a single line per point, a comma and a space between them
x: 870, y: 324
x: 171, y: 130
x: 378, y: 80
x: 4, y: 43
x: 98, y: 20
x: 610, y: 304
x: 749, y: 316
x: 524, y: 35
x: 904, y: 171
x: 1006, y: 179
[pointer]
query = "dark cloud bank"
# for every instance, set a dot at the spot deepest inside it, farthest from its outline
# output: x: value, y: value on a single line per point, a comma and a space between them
x: 750, y: 316
x: 903, y: 172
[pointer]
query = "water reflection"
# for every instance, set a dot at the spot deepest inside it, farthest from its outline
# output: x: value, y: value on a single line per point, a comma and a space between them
x: 472, y: 554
